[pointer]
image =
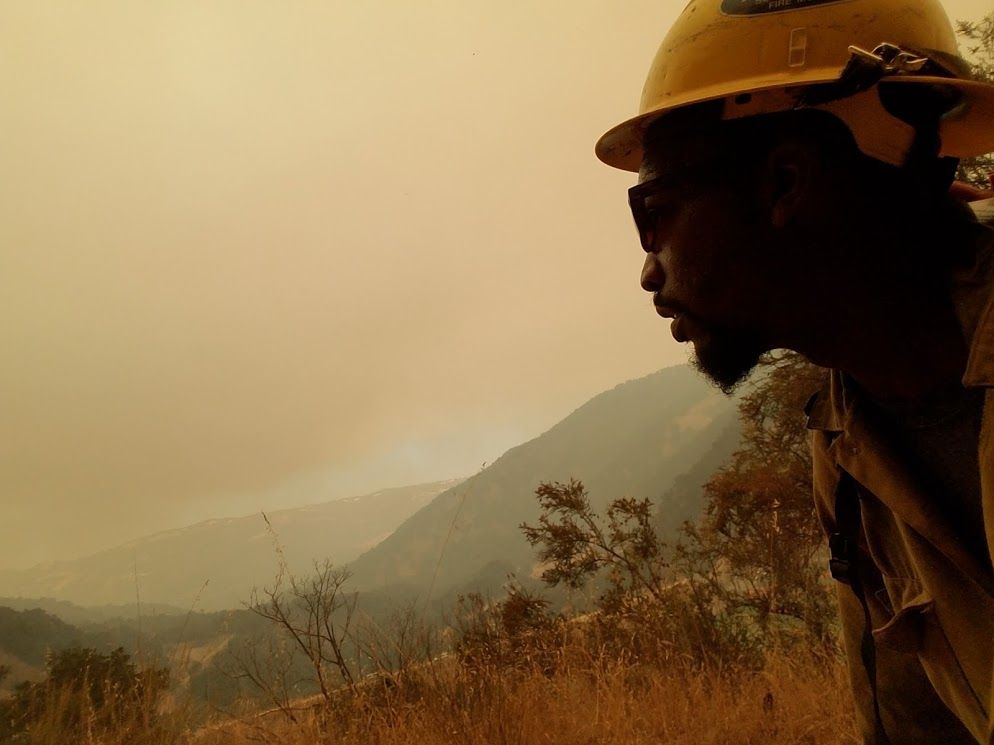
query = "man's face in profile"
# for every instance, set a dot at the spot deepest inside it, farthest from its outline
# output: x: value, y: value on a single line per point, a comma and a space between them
x: 701, y: 229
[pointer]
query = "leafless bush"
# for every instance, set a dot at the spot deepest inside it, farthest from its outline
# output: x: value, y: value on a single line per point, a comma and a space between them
x: 309, y: 644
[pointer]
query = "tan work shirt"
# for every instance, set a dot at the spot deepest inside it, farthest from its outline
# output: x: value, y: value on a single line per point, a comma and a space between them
x: 928, y: 580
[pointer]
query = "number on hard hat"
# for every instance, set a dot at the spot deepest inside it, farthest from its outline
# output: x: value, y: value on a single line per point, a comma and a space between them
x: 840, y: 56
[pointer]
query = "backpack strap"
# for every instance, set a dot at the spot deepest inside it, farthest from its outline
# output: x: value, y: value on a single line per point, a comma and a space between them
x: 844, y: 565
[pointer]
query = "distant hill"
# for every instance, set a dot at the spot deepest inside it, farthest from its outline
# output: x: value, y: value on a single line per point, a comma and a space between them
x: 635, y: 440
x: 197, y: 646
x: 214, y: 565
x: 78, y: 615
x: 30, y: 634
x: 660, y: 437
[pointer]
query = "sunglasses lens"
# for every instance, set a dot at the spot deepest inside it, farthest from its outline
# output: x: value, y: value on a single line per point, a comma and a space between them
x: 644, y: 222
x: 647, y: 234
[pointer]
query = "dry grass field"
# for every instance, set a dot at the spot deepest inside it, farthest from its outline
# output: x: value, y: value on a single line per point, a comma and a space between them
x: 792, y: 700
x: 586, y: 700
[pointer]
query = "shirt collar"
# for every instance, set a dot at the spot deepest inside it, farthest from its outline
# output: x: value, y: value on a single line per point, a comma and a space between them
x: 829, y: 409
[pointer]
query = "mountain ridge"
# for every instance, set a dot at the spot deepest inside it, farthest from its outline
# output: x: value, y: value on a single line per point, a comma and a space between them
x: 213, y: 564
x: 659, y: 436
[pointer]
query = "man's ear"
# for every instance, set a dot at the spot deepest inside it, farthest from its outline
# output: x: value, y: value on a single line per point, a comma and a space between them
x: 789, y: 185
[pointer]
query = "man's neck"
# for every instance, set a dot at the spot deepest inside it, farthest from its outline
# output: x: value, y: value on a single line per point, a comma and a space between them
x: 895, y: 348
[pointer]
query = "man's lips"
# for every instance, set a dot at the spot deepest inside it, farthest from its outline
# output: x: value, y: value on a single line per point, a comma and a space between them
x: 669, y: 310
x: 666, y: 308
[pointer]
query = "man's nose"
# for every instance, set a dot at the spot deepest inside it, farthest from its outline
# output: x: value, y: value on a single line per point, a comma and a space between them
x: 652, y: 273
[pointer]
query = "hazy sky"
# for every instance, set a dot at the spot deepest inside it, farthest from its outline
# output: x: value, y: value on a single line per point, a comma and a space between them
x: 258, y: 254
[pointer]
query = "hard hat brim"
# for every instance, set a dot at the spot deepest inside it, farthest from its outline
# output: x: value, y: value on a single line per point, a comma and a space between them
x: 966, y: 131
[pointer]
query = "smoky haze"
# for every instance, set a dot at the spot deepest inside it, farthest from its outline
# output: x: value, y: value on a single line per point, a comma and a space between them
x: 256, y: 255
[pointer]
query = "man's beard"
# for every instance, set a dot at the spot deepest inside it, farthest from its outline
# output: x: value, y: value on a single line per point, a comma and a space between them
x: 726, y: 357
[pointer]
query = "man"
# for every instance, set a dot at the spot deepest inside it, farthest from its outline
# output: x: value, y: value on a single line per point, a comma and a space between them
x: 795, y: 159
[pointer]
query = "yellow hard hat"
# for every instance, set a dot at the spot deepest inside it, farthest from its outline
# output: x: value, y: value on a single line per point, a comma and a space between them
x: 765, y: 56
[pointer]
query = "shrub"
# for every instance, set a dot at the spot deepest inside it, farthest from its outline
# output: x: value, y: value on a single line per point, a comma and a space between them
x: 86, y: 696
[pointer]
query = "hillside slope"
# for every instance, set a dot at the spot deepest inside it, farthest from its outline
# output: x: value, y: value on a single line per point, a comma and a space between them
x: 215, y: 564
x: 684, y: 500
x: 634, y: 440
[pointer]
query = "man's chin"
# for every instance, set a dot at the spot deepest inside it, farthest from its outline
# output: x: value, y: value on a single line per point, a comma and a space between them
x: 726, y: 359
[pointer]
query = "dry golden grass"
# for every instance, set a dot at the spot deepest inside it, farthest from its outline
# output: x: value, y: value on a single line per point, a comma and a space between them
x: 793, y: 700
x: 584, y: 698
x: 69, y: 717
x: 515, y: 676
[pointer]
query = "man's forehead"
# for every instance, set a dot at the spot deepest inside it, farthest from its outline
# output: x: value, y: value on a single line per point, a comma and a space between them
x: 675, y: 149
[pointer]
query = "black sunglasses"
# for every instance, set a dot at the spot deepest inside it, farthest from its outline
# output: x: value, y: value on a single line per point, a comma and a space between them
x: 649, y: 206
